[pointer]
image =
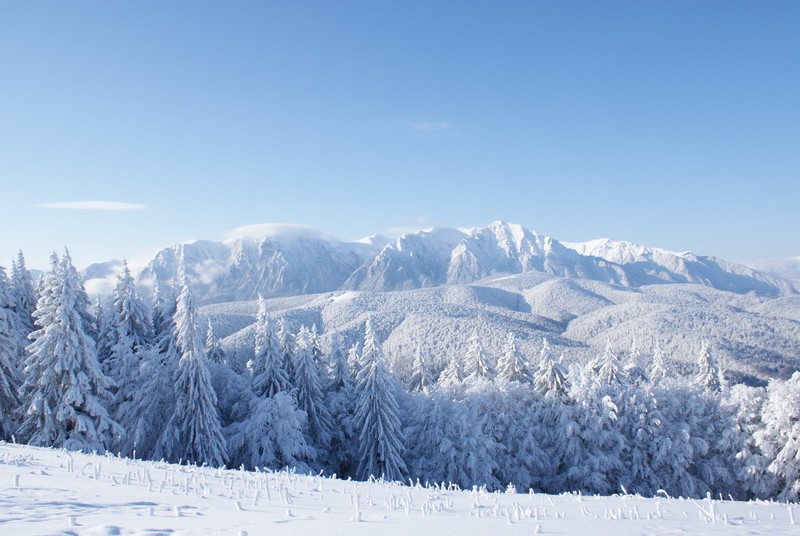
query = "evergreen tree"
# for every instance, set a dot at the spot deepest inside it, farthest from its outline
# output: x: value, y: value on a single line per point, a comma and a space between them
x: 452, y: 375
x: 659, y: 370
x: 448, y: 443
x: 23, y: 293
x: 744, y: 405
x: 478, y: 360
x: 338, y: 369
x: 381, y: 441
x: 308, y: 386
x: 269, y: 375
x: 513, y: 366
x: 608, y: 370
x: 214, y: 349
x: 132, y: 315
x: 779, y: 439
x: 550, y: 378
x: 272, y: 436
x: 354, y: 359
x: 708, y: 376
x: 67, y: 392
x: 634, y: 372
x: 195, y: 434
x: 420, y: 380
x: 10, y: 379
x: 340, y: 401
x: 286, y: 348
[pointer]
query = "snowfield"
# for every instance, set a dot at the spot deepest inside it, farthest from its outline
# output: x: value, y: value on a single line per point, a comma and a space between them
x: 47, y: 491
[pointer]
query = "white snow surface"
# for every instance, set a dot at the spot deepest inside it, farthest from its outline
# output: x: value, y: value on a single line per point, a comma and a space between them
x: 55, y: 492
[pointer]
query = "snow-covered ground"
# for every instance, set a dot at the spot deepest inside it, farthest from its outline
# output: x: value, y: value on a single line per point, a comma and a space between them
x: 44, y: 491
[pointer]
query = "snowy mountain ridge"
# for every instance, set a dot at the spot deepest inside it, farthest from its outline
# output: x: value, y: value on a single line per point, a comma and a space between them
x: 281, y: 260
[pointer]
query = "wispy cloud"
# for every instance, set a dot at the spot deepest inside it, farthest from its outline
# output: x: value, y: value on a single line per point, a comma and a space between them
x: 431, y: 126
x: 114, y: 206
x: 411, y: 225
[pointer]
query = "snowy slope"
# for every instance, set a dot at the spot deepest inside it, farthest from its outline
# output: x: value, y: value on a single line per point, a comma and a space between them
x: 285, y: 260
x: 45, y: 491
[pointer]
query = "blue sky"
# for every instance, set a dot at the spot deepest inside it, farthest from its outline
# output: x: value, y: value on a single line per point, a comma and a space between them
x: 671, y: 124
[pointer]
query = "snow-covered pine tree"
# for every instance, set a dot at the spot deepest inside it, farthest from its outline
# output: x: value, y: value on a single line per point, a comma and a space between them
x: 607, y: 369
x: 132, y: 314
x: 286, y: 348
x: 477, y: 359
x: 551, y: 377
x: 106, y: 334
x: 452, y: 375
x: 195, y: 434
x: 744, y: 405
x: 354, y: 359
x: 23, y: 293
x: 214, y: 349
x: 513, y: 366
x: 66, y: 392
x: 448, y: 443
x: 634, y: 372
x: 321, y: 361
x: 381, y: 441
x: 420, y: 380
x: 779, y: 439
x: 340, y: 401
x: 272, y: 436
x: 10, y: 379
x: 708, y: 376
x: 338, y: 369
x: 269, y: 375
x: 308, y: 386
x: 659, y: 369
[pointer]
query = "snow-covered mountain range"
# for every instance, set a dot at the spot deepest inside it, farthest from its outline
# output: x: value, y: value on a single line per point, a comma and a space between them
x: 291, y: 260
x: 431, y: 289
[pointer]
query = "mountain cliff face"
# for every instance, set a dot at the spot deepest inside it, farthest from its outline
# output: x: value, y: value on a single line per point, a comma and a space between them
x: 290, y: 263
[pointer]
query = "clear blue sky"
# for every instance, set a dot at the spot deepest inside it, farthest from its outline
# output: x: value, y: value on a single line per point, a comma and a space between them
x: 671, y: 124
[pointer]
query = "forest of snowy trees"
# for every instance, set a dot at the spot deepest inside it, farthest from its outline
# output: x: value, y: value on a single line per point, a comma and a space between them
x: 123, y: 376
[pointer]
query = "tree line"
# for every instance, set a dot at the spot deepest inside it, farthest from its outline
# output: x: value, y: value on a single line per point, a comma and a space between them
x: 121, y: 376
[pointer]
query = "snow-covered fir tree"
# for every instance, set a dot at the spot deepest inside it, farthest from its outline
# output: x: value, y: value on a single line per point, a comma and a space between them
x: 420, y: 376
x: 634, y: 371
x: 340, y: 401
x: 269, y: 374
x: 286, y: 348
x: 381, y: 440
x: 354, y: 359
x: 194, y: 431
x: 448, y: 443
x: 477, y: 359
x: 779, y: 440
x: 708, y: 375
x: 452, y: 375
x: 272, y: 435
x: 659, y: 369
x: 338, y: 369
x: 23, y: 293
x: 66, y: 393
x: 551, y: 377
x: 309, y: 392
x: 513, y: 366
x: 10, y: 379
x: 607, y: 369
x: 132, y: 315
x: 214, y: 349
